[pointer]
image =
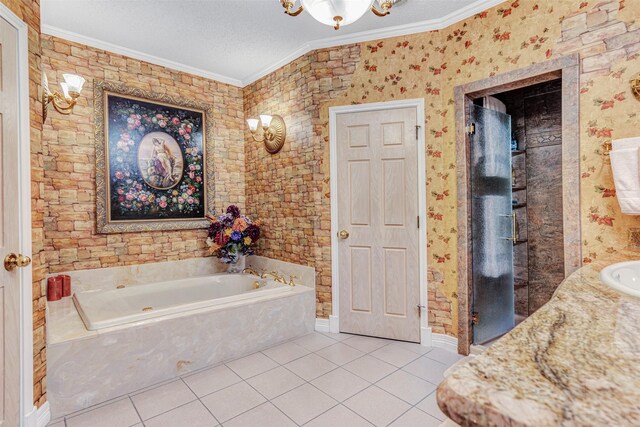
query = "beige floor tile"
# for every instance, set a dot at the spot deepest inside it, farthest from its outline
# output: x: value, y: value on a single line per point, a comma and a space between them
x: 192, y: 414
x: 232, y: 401
x: 340, y: 353
x: 340, y: 384
x: 444, y: 356
x: 370, y: 368
x: 118, y: 414
x: 415, y: 417
x: 252, y: 365
x: 304, y: 403
x: 211, y: 380
x: 265, y: 415
x: 395, y: 355
x: 310, y: 366
x: 412, y: 346
x: 427, y: 369
x: 315, y: 341
x: 162, y: 399
x: 430, y: 405
x: 366, y: 344
x: 406, y: 386
x: 377, y: 406
x: 339, y: 416
x: 275, y: 382
x: 337, y: 337
x: 285, y: 353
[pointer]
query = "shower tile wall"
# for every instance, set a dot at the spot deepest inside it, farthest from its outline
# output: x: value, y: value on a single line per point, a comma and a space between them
x: 539, y: 264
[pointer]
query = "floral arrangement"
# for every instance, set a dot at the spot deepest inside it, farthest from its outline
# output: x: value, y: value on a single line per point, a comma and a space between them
x: 131, y: 197
x: 232, y: 235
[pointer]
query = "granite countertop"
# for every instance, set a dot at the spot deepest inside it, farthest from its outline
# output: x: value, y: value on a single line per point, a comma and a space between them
x: 576, y: 361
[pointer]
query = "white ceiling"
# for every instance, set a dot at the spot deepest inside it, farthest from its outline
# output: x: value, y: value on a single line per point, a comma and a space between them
x: 235, y: 41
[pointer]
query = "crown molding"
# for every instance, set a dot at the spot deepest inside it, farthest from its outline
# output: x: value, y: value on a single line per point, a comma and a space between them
x: 131, y: 53
x: 363, y: 36
x: 378, y: 34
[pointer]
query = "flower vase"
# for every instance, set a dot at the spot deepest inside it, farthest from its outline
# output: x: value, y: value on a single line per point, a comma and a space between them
x: 237, y: 265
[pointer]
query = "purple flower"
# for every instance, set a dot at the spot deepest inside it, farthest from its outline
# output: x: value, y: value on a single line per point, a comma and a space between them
x: 253, y: 231
x: 236, y: 236
x: 234, y: 211
x: 214, y: 228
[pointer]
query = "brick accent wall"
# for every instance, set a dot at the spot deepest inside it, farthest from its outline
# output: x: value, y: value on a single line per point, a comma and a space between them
x: 70, y: 235
x: 440, y: 318
x: 601, y: 38
x: 287, y: 190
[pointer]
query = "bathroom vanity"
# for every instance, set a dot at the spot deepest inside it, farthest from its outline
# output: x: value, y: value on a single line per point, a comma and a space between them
x: 573, y: 362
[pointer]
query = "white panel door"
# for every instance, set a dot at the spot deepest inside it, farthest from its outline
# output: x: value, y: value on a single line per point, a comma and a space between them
x: 378, y: 223
x: 9, y: 225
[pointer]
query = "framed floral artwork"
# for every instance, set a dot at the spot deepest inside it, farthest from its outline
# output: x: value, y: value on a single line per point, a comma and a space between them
x: 151, y: 164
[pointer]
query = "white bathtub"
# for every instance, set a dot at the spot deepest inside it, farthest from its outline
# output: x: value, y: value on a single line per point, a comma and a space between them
x: 105, y: 308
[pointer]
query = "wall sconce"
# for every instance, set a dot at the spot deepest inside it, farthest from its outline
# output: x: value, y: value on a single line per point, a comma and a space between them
x: 274, y: 131
x: 62, y: 102
x: 635, y: 86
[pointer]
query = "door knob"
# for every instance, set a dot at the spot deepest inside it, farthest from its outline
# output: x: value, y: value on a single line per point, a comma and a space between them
x: 344, y: 234
x: 12, y: 261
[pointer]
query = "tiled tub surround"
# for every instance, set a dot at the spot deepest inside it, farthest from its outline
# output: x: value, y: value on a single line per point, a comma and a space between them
x: 88, y: 367
x: 573, y: 362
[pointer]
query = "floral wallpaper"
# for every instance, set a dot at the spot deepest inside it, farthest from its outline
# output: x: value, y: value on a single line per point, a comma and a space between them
x: 507, y: 37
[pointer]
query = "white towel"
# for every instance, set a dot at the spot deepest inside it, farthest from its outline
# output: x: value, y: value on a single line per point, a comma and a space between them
x: 625, y: 162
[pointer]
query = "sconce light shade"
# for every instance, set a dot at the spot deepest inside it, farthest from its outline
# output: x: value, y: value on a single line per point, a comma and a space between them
x: 253, y: 124
x: 74, y: 82
x: 65, y: 90
x: 266, y: 120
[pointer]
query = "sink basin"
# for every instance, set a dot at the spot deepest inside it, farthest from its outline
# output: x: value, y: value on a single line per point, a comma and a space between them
x: 623, y: 277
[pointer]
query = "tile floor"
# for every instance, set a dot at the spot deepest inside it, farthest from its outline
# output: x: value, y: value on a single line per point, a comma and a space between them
x: 318, y: 380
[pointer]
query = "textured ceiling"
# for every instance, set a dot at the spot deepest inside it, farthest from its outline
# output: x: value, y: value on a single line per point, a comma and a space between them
x: 234, y: 39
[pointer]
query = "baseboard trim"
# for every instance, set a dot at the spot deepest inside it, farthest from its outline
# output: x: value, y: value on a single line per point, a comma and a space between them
x: 44, y: 415
x: 426, y: 336
x: 38, y: 417
x: 322, y: 325
x: 445, y: 341
x: 334, y: 325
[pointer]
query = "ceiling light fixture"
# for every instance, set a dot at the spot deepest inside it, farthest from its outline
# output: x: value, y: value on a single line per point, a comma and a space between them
x: 337, y: 13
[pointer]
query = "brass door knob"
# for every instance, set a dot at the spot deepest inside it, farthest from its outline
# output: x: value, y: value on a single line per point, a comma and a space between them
x: 12, y: 261
x: 344, y: 234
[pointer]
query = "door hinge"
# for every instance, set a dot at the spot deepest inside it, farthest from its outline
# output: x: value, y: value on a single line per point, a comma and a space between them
x: 417, y: 130
x: 470, y: 129
x: 475, y: 318
x: 418, y: 221
x: 420, y: 308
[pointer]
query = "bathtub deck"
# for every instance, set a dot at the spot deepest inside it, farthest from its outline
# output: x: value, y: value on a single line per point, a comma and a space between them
x: 316, y: 380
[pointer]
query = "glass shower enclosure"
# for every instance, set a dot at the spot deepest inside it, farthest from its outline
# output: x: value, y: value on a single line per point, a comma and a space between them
x: 492, y: 224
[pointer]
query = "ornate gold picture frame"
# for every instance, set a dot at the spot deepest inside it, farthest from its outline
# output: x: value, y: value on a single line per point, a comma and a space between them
x: 152, y: 172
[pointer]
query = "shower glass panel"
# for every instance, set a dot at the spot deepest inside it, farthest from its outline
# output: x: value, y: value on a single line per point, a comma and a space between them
x: 492, y: 224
